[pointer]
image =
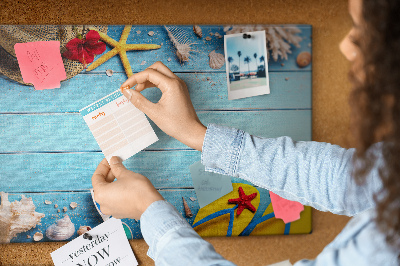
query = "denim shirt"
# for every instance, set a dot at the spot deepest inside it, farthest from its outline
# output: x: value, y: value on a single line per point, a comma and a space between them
x: 312, y: 173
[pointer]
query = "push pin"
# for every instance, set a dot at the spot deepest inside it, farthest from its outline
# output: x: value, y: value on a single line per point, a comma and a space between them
x: 246, y: 36
x: 88, y: 236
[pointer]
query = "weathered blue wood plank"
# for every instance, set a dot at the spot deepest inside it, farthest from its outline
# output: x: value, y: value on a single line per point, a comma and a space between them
x: 40, y: 172
x: 198, y: 60
x: 86, y: 215
x: 289, y: 90
x: 68, y: 132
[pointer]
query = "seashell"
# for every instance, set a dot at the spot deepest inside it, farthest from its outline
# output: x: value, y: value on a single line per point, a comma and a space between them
x: 180, y: 39
x: 17, y: 217
x: 65, y: 209
x: 37, y: 236
x: 138, y: 31
x: 143, y: 62
x: 28, y: 236
x: 47, y: 202
x: 150, y: 33
x: 61, y: 230
x: 303, y: 59
x: 56, y: 206
x: 169, y: 59
x: 211, y: 33
x: 192, y: 198
x: 83, y: 229
x: 188, y: 212
x: 197, y: 31
x: 217, y: 34
x: 58, y: 210
x: 216, y: 60
x: 109, y: 72
x: 73, y: 205
x: 208, y: 38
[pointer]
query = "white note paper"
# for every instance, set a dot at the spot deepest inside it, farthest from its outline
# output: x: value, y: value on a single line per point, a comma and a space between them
x: 118, y: 126
x: 109, y: 246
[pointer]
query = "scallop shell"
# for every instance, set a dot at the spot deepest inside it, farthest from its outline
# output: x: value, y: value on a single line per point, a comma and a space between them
x: 37, y: 236
x: 150, y: 33
x: 83, y: 229
x: 61, y: 230
x: 197, y: 31
x: 216, y: 60
x: 303, y: 59
x: 73, y: 205
x: 109, y: 72
x: 17, y: 217
x: 181, y: 41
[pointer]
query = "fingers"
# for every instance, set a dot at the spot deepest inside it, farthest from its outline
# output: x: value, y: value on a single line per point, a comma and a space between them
x: 117, y: 167
x: 159, y: 80
x: 100, y: 174
x: 140, y: 102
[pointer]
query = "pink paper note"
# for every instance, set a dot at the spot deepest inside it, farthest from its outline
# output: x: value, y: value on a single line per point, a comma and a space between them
x: 286, y: 210
x: 41, y: 64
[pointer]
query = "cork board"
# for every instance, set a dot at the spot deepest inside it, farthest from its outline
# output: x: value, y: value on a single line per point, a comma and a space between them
x: 330, y: 23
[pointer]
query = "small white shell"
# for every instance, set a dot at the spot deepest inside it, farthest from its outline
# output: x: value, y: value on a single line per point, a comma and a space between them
x: 61, y: 230
x: 73, y: 205
x: 192, y: 198
x: 217, y: 34
x: 169, y: 59
x: 83, y: 229
x: 37, y: 236
x: 47, y: 202
x: 65, y: 209
x: 109, y: 72
x: 56, y: 206
x: 138, y: 31
x: 208, y: 38
x: 150, y: 33
x: 216, y: 60
x: 197, y: 31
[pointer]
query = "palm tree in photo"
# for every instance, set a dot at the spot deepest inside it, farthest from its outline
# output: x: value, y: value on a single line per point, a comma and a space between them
x: 255, y: 57
x: 230, y: 60
x: 239, y: 54
x: 262, y: 59
x: 247, y: 60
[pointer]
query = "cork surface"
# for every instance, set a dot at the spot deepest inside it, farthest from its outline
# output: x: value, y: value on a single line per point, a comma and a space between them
x: 330, y: 21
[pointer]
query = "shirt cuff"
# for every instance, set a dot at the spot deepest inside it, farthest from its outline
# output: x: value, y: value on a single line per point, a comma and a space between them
x: 221, y: 149
x: 158, y: 219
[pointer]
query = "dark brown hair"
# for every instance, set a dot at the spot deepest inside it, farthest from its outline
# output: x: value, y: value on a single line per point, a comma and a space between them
x: 375, y: 103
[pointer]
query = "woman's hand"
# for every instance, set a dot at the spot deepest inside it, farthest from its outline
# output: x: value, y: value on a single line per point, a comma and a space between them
x: 127, y: 197
x: 174, y: 113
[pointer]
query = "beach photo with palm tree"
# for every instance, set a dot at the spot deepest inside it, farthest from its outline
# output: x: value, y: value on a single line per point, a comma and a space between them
x: 246, y: 66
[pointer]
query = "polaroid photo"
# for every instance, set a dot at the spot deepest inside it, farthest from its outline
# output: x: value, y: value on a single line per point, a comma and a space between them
x: 246, y: 64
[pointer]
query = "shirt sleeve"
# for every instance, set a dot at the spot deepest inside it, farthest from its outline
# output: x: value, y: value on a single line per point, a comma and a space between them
x: 312, y: 173
x: 172, y: 241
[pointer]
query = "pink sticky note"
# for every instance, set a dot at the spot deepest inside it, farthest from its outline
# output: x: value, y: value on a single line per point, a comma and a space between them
x: 286, y: 210
x: 41, y: 64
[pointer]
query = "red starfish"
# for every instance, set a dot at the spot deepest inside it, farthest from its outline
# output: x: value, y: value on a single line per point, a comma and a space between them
x: 244, y: 201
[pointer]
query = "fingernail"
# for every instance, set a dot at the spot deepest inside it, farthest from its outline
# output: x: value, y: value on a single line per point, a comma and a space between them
x: 115, y: 160
x: 124, y: 88
x: 128, y: 93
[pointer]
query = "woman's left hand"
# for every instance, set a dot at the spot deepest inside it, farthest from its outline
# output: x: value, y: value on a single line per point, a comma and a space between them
x: 127, y: 197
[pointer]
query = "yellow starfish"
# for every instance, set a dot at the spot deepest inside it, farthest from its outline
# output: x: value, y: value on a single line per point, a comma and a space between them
x: 120, y: 48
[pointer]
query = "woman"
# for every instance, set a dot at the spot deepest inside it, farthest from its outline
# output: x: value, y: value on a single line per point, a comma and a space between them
x: 360, y: 182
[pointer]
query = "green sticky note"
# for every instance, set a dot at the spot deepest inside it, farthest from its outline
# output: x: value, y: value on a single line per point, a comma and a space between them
x: 209, y: 186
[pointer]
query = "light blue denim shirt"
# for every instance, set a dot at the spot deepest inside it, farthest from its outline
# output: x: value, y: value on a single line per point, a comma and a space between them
x: 312, y: 173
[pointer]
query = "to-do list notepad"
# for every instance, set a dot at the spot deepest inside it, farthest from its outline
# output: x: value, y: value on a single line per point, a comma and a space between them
x: 118, y: 126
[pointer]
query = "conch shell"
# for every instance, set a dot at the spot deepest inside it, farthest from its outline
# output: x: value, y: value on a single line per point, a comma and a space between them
x: 61, y: 230
x: 197, y: 31
x: 180, y: 39
x: 216, y: 60
x: 83, y: 229
x: 17, y: 217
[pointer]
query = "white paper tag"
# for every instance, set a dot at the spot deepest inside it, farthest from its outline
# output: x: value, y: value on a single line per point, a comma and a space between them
x: 108, y: 246
x: 118, y: 126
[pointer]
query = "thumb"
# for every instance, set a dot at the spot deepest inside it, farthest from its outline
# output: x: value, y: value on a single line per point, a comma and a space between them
x: 138, y: 100
x: 117, y: 167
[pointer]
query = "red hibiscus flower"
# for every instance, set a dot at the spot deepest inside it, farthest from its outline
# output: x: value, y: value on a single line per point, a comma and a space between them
x: 85, y: 49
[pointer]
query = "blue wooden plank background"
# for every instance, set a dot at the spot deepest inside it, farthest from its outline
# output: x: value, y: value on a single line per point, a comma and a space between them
x: 48, y: 152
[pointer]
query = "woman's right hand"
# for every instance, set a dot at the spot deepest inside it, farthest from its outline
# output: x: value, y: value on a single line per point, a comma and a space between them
x: 173, y: 113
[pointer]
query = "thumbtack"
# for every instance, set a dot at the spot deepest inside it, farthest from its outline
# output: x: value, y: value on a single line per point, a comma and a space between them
x: 246, y: 36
